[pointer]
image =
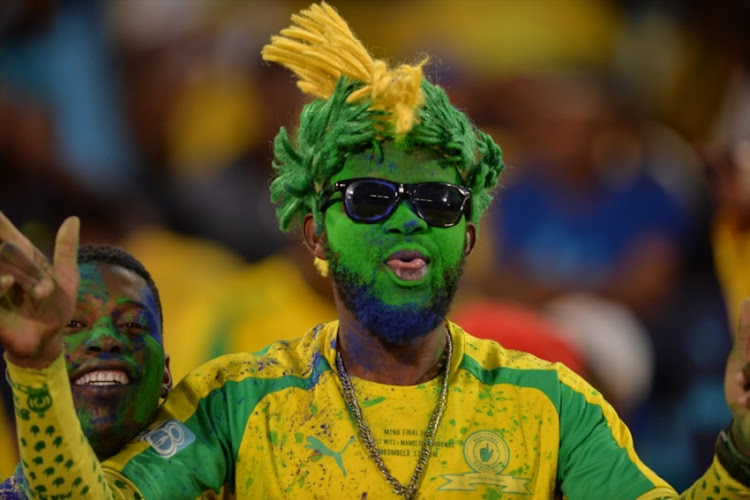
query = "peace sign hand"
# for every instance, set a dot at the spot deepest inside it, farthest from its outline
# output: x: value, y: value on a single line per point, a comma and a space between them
x: 37, y: 298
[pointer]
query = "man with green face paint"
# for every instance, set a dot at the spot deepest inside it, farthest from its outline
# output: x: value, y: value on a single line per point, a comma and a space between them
x: 396, y: 277
x: 114, y: 356
x: 391, y: 400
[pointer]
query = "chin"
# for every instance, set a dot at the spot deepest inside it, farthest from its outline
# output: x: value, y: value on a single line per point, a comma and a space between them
x: 395, y: 324
x: 398, y: 324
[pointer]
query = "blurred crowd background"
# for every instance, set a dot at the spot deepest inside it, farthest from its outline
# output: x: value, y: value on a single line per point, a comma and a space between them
x: 612, y: 244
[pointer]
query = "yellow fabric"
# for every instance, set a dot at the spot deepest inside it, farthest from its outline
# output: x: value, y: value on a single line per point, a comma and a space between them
x: 57, y: 457
x: 508, y: 437
x: 8, y: 449
x: 731, y: 248
x: 301, y: 442
x: 317, y: 441
x: 716, y: 483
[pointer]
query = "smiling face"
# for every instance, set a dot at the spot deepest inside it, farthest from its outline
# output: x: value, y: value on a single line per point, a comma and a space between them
x: 397, y: 276
x: 114, y: 355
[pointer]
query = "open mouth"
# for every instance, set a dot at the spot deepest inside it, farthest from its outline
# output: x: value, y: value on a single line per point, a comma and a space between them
x: 408, y: 265
x: 102, y: 378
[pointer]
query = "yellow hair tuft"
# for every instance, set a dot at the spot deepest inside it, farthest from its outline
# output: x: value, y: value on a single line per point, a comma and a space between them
x: 320, y: 48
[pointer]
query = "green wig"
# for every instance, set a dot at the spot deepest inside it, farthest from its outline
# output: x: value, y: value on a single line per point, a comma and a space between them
x: 360, y: 104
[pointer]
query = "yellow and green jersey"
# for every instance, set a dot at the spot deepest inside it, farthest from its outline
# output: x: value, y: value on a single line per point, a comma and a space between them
x: 275, y: 425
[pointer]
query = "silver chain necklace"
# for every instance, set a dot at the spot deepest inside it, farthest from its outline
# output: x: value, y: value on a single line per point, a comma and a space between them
x: 410, y: 490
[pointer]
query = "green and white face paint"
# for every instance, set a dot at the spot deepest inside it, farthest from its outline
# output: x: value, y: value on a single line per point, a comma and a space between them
x: 396, y: 276
x: 115, y: 355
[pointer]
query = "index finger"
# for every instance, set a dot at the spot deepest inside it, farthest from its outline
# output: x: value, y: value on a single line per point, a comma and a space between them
x: 66, y: 253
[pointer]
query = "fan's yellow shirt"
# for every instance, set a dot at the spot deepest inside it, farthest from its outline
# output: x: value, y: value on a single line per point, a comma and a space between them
x: 275, y: 425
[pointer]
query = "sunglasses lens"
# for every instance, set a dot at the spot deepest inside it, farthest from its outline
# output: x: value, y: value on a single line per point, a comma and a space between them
x: 369, y: 200
x: 439, y: 205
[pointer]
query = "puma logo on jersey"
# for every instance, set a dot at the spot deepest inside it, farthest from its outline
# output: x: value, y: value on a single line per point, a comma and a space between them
x: 316, y: 444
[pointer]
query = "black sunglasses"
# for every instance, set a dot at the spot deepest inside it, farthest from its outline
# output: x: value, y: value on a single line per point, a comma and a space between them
x: 372, y: 200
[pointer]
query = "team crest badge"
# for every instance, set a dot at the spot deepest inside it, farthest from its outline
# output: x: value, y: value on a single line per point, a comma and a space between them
x: 487, y: 454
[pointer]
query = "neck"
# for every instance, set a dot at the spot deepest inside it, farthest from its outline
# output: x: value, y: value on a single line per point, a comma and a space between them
x: 104, y: 450
x: 367, y: 357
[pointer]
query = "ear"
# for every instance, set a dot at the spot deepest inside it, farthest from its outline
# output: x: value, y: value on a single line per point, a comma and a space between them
x: 166, y: 380
x: 471, y: 238
x: 313, y: 240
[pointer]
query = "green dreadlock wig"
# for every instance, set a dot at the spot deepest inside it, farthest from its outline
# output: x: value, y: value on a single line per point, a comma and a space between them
x: 360, y: 103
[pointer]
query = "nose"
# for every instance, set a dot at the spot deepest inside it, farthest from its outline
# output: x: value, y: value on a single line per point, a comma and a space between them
x: 404, y: 219
x: 104, y: 337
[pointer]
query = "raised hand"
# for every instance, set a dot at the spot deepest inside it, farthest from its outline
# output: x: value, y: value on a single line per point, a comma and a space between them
x: 37, y: 298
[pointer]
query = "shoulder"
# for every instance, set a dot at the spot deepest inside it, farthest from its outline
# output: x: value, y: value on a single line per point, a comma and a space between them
x: 247, y: 378
x: 491, y: 362
x: 572, y: 396
x: 490, y: 355
x: 282, y: 358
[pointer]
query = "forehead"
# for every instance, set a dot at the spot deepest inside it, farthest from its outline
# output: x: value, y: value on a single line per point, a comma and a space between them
x: 398, y: 164
x: 111, y: 282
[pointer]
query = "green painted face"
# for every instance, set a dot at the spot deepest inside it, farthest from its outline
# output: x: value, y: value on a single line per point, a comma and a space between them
x: 114, y: 355
x: 402, y: 261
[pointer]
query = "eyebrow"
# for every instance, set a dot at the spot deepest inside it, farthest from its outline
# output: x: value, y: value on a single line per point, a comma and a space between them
x: 132, y: 303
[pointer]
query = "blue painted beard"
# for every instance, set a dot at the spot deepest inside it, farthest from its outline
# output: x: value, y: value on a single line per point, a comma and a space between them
x: 393, y: 324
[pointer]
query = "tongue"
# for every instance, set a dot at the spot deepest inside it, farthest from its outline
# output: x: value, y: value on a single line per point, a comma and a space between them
x: 406, y: 264
x: 408, y: 270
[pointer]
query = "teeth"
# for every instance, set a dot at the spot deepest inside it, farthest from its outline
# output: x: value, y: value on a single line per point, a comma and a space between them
x: 103, y: 377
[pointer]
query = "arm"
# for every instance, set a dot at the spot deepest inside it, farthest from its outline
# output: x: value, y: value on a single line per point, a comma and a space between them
x: 187, y: 440
x: 36, y: 300
x: 190, y: 438
x: 57, y: 459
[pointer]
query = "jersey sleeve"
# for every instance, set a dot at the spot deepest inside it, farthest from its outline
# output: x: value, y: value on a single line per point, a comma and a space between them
x: 597, y: 458
x: 716, y: 483
x: 56, y: 457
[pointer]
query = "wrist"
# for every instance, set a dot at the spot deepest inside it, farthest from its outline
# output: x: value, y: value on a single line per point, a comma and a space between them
x: 39, y: 360
x: 735, y: 437
x: 736, y: 463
